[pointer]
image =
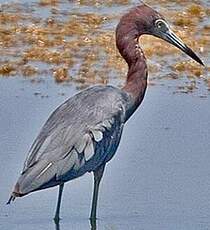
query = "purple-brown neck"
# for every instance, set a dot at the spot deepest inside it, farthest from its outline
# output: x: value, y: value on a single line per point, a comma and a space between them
x: 127, y: 36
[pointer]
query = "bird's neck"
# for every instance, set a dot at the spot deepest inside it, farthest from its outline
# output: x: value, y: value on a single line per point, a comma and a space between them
x: 127, y: 42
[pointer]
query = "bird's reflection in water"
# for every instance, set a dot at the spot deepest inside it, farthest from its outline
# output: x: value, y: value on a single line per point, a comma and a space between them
x: 57, y: 226
x: 93, y: 225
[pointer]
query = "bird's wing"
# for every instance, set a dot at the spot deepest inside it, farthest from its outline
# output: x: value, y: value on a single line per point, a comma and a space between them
x: 93, y: 148
x: 79, y: 133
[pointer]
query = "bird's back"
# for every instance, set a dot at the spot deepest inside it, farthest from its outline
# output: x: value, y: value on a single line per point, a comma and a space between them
x: 80, y: 135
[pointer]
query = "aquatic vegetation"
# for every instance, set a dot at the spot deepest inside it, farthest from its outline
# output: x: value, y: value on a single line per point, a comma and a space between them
x: 7, y: 69
x: 79, y: 44
x: 61, y: 74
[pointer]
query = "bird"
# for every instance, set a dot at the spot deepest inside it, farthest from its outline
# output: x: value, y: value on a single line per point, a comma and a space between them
x: 82, y: 135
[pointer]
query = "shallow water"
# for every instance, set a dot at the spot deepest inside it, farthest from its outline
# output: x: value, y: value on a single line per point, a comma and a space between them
x: 159, y: 178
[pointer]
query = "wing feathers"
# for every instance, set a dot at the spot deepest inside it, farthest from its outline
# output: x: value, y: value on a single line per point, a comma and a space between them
x: 97, y: 135
x: 44, y: 170
x: 89, y: 149
x: 81, y: 143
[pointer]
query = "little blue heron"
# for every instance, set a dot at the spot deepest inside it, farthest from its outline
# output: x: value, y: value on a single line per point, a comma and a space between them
x: 83, y: 133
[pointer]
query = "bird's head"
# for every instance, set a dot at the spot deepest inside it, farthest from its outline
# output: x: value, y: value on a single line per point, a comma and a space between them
x: 148, y: 21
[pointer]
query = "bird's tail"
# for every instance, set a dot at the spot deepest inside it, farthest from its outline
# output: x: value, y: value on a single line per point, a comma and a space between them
x: 12, y: 198
x: 15, y: 193
x: 39, y: 176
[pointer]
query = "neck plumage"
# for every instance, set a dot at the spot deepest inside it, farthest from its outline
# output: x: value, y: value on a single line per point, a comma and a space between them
x: 127, y: 43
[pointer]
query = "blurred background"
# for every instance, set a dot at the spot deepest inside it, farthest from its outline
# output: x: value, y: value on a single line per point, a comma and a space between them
x: 159, y: 178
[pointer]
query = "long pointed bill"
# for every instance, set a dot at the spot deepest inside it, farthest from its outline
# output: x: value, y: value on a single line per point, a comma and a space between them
x: 170, y: 37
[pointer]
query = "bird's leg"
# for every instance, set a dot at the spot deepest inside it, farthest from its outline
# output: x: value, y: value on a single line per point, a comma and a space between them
x: 98, y: 173
x: 57, y: 213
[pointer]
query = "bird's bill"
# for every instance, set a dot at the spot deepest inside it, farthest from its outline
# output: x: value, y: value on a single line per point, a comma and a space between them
x: 171, y: 37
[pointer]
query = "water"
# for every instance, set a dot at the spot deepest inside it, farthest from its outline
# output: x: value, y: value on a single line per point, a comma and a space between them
x: 158, y: 179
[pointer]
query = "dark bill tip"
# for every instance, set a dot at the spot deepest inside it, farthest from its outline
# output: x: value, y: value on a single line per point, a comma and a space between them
x: 174, y: 40
x: 189, y: 52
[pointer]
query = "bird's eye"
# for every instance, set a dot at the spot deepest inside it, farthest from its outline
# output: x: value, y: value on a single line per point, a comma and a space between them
x: 161, y: 25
